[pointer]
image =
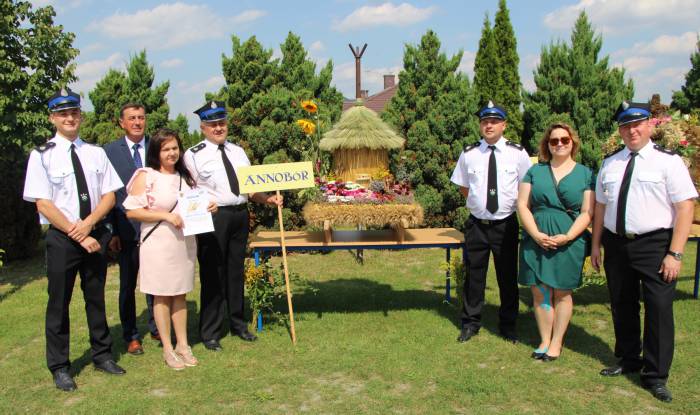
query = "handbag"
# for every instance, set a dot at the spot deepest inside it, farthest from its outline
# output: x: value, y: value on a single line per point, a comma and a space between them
x: 160, y: 221
x: 586, y: 234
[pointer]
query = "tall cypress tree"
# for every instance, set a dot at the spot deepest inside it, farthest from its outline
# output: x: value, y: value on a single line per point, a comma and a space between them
x: 509, y: 89
x: 487, y: 72
x: 688, y: 98
x: 573, y: 80
x: 117, y: 88
x: 433, y: 109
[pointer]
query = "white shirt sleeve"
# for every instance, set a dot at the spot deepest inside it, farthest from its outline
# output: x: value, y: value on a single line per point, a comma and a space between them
x: 110, y: 180
x: 36, y: 183
x: 599, y: 196
x: 679, y: 185
x: 459, y: 175
x: 523, y: 165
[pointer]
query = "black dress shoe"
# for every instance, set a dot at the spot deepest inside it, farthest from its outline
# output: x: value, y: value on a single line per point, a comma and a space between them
x: 617, y: 370
x: 213, y: 345
x: 509, y: 336
x: 660, y: 392
x: 548, y: 358
x: 247, y: 336
x: 538, y: 355
x: 466, y: 333
x: 109, y: 366
x: 64, y: 381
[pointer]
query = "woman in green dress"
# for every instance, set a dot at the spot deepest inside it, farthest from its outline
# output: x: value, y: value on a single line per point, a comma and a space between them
x: 555, y: 205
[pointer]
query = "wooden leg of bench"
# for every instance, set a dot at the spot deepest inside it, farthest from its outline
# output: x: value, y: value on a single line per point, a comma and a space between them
x: 327, y: 232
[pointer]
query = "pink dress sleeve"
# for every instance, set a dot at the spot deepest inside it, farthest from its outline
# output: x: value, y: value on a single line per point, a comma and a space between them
x: 144, y: 200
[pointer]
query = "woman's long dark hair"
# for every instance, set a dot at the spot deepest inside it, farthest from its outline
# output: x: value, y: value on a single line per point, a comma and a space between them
x: 153, y: 153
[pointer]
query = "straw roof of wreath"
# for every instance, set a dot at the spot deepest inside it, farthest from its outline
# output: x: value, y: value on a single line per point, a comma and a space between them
x: 361, y: 128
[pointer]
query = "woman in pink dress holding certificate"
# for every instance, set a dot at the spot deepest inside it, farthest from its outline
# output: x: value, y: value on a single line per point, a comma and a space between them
x: 167, y: 257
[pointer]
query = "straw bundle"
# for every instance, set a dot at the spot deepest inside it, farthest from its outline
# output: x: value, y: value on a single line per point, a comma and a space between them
x: 363, y: 214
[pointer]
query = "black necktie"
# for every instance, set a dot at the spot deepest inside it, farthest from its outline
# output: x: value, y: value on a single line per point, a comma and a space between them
x: 230, y: 172
x: 137, y: 156
x: 492, y: 188
x: 622, y: 198
x: 83, y: 194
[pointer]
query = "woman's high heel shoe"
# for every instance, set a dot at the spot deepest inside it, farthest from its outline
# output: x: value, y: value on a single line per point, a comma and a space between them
x: 173, y: 361
x: 539, y: 353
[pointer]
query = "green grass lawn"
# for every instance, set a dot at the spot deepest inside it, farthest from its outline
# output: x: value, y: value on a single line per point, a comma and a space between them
x: 374, y: 338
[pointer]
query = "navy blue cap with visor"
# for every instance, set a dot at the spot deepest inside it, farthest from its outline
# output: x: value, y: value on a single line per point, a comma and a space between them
x: 212, y: 111
x: 629, y: 112
x: 491, y: 110
x: 63, y: 100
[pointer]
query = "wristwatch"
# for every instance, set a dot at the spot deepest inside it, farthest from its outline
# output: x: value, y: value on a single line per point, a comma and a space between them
x: 676, y: 255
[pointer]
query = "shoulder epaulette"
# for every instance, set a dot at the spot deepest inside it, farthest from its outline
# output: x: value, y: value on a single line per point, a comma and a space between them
x: 198, y: 147
x: 46, y: 146
x: 665, y: 150
x: 614, y: 152
x: 471, y: 147
x: 516, y: 145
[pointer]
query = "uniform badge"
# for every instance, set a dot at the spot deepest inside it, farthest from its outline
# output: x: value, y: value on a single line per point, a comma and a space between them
x: 490, y: 104
x: 213, y: 105
x: 64, y: 93
x: 625, y: 105
x: 492, y: 192
x: 84, y: 197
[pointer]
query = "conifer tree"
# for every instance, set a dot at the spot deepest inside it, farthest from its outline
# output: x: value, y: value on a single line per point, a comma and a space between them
x: 36, y: 59
x: 433, y: 108
x: 509, y: 89
x: 573, y: 80
x: 264, y: 96
x: 117, y: 88
x: 688, y: 98
x: 487, y: 74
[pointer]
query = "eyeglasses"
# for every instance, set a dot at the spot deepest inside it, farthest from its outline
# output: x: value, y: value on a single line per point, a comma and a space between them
x: 555, y: 141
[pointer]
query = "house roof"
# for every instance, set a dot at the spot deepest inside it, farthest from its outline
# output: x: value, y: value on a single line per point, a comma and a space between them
x: 360, y: 127
x: 376, y: 102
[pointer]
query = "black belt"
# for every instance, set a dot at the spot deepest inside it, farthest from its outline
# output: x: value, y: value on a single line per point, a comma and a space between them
x: 490, y: 222
x: 235, y: 208
x: 633, y: 236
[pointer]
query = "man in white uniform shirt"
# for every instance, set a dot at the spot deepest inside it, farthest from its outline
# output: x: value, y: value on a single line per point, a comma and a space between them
x: 644, y: 209
x: 73, y: 185
x: 221, y: 254
x: 488, y: 174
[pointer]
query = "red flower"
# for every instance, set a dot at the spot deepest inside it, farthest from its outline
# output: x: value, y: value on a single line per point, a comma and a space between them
x: 684, y: 143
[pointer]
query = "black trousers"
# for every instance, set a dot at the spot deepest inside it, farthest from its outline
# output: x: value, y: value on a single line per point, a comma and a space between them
x: 64, y: 259
x: 128, y: 272
x: 627, y: 264
x: 221, y: 256
x: 501, y: 239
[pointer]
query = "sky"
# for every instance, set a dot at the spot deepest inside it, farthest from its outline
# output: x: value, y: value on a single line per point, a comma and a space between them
x: 184, y: 40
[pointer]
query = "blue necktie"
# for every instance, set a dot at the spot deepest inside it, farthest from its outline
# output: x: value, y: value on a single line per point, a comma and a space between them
x: 137, y: 156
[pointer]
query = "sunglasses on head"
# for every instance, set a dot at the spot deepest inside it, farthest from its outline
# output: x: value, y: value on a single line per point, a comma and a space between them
x: 555, y: 141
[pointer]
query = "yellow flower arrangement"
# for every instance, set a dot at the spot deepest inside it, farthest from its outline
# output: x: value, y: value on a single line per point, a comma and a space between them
x: 307, y: 126
x: 309, y: 106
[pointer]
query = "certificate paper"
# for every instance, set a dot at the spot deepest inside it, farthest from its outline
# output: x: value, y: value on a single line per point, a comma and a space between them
x: 193, y: 210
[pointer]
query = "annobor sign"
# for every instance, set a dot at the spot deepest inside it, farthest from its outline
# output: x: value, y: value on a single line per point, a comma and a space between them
x: 283, y: 176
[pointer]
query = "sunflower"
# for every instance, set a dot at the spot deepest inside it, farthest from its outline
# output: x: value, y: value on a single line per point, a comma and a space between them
x: 309, y: 106
x: 307, y: 126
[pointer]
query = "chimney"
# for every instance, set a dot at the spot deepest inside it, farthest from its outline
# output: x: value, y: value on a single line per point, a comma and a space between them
x: 364, y: 93
x: 389, y: 81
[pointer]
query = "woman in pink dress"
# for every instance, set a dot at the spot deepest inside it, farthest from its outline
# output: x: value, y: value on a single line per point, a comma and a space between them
x: 167, y: 257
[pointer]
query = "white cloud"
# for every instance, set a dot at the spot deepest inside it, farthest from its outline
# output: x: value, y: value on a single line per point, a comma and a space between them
x: 466, y: 66
x: 90, y: 72
x: 248, y: 16
x: 662, y: 81
x: 621, y: 16
x: 208, y: 85
x: 636, y: 64
x: 317, y: 46
x: 172, y: 63
x: 59, y: 5
x: 669, y: 45
x: 386, y: 14
x: 163, y: 27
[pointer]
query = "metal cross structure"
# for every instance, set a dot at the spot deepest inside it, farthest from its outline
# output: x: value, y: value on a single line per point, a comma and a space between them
x: 357, y: 53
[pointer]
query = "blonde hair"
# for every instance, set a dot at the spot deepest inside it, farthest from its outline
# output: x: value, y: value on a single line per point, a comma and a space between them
x: 545, y: 154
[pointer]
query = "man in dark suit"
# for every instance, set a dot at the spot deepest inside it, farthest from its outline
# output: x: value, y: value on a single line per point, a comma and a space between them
x: 127, y: 154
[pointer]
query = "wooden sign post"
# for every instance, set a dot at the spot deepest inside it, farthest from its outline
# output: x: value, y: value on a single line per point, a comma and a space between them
x: 269, y: 177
